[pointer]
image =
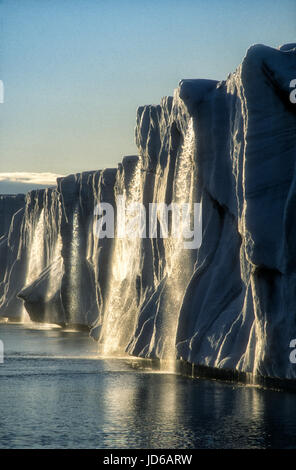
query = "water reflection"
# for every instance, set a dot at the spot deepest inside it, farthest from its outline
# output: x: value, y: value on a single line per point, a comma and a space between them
x: 55, y: 393
x: 158, y: 411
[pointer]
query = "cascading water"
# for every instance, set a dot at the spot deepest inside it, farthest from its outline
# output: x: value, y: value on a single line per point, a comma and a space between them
x: 56, y: 263
x: 228, y: 314
x: 122, y: 300
x: 179, y: 259
x: 36, y: 250
x: 43, y: 262
x: 36, y: 253
x: 54, y: 250
x: 74, y: 272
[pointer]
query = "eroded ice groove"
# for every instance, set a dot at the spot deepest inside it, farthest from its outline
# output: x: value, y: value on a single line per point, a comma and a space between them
x: 230, y: 304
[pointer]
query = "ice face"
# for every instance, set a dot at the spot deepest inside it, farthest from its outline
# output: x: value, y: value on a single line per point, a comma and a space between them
x: 229, y: 303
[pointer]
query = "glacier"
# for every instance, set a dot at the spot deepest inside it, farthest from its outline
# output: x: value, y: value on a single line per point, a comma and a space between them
x: 228, y: 305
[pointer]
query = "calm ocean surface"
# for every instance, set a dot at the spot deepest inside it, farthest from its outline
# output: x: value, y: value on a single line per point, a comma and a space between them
x: 56, y: 393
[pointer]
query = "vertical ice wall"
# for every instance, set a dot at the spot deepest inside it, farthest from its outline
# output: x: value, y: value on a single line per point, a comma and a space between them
x: 38, y: 260
x: 122, y: 296
x: 229, y: 303
x: 9, y: 205
x: 238, y: 309
x: 85, y: 257
x: 11, y: 213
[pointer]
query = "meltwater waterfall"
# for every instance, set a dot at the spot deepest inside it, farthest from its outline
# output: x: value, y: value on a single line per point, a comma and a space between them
x: 202, y: 266
x: 180, y: 260
x: 36, y: 251
x: 74, y: 278
x: 122, y: 299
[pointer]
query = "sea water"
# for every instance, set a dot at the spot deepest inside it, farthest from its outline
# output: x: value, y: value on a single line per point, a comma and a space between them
x: 55, y: 392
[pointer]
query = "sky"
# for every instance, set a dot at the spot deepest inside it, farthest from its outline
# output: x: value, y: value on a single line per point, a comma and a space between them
x: 75, y: 71
x: 22, y: 182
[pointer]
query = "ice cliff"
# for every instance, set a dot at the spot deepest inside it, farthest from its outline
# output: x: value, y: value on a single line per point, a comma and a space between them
x: 230, y: 303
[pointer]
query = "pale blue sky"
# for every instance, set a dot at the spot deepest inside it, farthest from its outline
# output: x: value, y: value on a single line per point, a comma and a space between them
x: 76, y: 70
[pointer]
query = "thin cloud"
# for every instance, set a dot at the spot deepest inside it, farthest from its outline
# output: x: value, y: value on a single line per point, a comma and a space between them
x: 30, y: 178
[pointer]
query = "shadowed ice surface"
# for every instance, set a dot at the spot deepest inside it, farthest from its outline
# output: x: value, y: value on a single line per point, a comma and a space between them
x: 65, y: 397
